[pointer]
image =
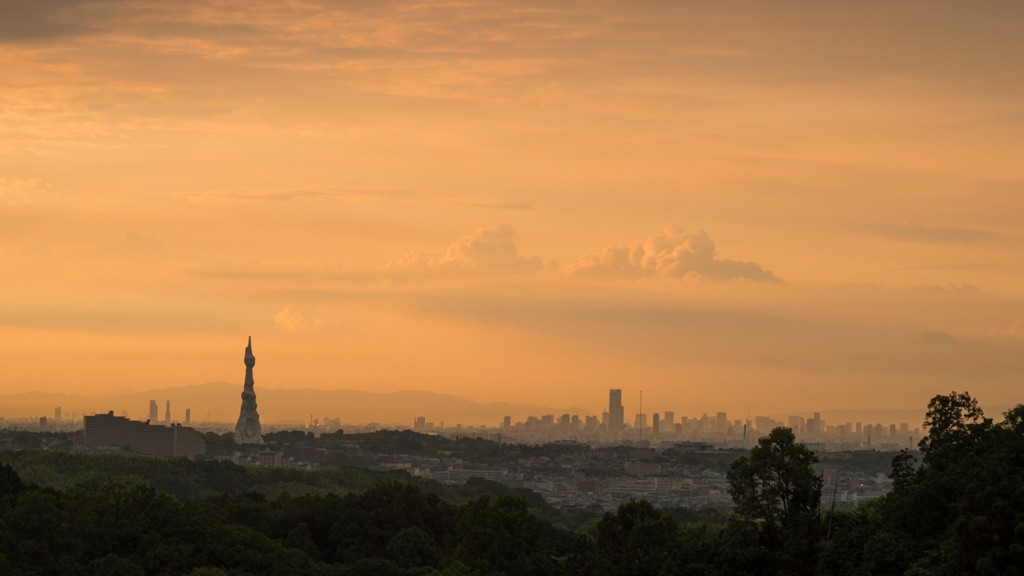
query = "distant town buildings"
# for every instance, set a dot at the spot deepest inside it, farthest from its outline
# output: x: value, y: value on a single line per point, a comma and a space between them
x: 149, y: 439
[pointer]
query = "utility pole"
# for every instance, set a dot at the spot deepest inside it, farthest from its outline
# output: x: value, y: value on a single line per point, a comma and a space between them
x: 641, y: 416
x: 832, y: 512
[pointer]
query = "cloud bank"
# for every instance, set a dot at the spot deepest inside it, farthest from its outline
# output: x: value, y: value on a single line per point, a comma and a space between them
x: 672, y: 254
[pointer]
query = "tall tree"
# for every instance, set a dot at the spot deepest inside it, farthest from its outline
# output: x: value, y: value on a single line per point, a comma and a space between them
x: 637, y: 541
x: 954, y: 422
x: 777, y: 482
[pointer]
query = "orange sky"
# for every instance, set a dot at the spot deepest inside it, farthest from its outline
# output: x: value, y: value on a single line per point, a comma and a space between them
x: 775, y: 205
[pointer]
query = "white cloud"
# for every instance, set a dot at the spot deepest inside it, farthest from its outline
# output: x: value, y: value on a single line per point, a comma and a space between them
x: 486, y: 248
x: 292, y: 319
x: 672, y: 254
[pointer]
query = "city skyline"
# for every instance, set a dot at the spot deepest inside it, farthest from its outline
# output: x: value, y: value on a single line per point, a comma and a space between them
x: 568, y: 422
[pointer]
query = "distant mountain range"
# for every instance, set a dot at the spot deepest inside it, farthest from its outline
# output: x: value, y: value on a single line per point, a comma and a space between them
x: 220, y: 402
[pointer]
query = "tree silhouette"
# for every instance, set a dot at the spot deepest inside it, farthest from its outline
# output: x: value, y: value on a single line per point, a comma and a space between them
x: 776, y: 483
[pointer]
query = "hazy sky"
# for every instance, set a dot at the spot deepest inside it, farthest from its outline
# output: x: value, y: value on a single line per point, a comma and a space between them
x: 776, y: 205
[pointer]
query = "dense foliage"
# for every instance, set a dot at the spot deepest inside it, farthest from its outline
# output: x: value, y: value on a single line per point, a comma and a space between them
x: 191, y: 480
x: 393, y: 528
x: 961, y: 512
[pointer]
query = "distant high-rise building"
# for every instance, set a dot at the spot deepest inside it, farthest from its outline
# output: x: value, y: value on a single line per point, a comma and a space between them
x: 188, y: 416
x: 723, y: 422
x: 640, y: 421
x: 904, y: 429
x: 616, y: 413
x: 167, y: 414
x: 656, y: 423
x: 670, y: 421
x: 42, y: 422
x: 796, y: 424
x: 154, y: 412
x: 421, y: 423
x: 859, y: 430
x: 564, y: 421
x: 56, y: 414
x: 507, y: 422
x: 892, y: 430
x: 575, y: 422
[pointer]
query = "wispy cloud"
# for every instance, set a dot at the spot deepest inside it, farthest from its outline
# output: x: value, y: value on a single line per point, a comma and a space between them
x: 497, y: 205
x: 353, y: 194
x: 940, y: 338
x: 934, y: 234
x: 43, y: 19
x: 300, y: 193
x: 950, y: 287
x: 16, y: 191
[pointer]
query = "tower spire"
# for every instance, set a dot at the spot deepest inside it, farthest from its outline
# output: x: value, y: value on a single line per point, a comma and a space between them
x: 247, y: 431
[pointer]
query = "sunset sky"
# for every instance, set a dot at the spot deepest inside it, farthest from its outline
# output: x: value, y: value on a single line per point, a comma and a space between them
x: 776, y: 205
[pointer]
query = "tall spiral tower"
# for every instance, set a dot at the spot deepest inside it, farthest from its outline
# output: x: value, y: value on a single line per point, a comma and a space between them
x: 247, y: 431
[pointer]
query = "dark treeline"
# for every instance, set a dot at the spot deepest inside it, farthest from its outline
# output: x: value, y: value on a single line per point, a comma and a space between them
x: 193, y: 480
x: 958, y: 511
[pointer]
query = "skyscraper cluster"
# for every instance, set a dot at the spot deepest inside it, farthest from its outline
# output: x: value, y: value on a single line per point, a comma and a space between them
x: 717, y: 429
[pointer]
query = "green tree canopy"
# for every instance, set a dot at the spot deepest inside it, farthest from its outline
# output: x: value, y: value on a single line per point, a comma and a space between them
x: 953, y: 423
x: 776, y: 483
